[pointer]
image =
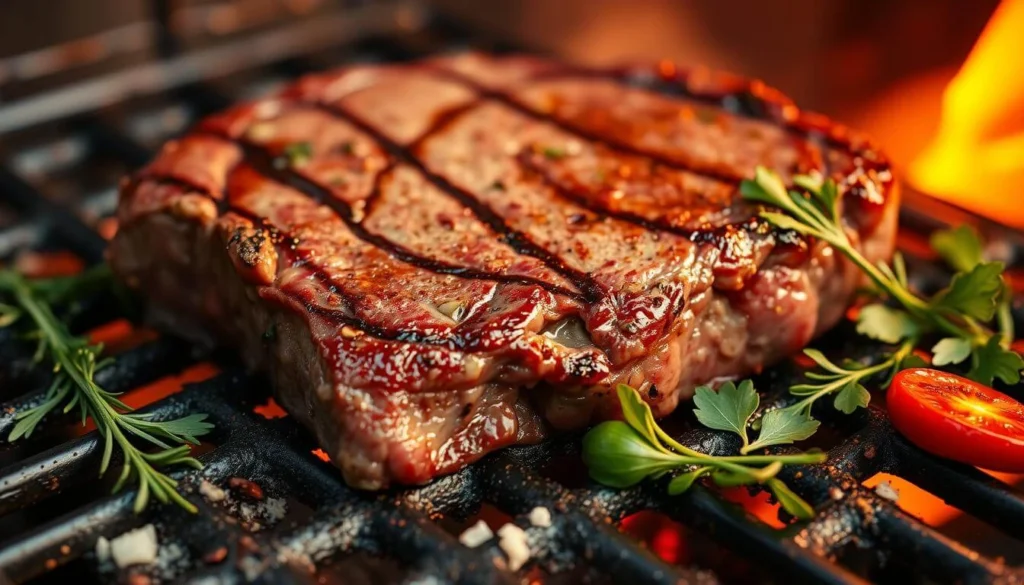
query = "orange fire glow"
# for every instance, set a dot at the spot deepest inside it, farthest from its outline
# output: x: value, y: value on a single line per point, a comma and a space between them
x: 976, y: 159
x: 270, y: 410
x: 925, y: 506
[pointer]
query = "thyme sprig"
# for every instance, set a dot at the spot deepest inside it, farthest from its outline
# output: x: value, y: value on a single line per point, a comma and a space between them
x: 75, y: 362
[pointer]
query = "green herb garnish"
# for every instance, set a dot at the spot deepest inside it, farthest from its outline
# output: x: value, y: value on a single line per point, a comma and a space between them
x: 553, y: 153
x: 298, y: 153
x: 732, y: 406
x: 847, y: 381
x: 75, y: 363
x: 620, y: 454
x: 962, y: 249
x: 961, y: 312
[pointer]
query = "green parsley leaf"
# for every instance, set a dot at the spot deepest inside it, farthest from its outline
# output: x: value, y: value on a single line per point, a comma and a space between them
x: 993, y: 361
x: 622, y: 454
x: 789, y: 501
x: 852, y: 397
x: 950, y: 350
x: 618, y: 456
x: 729, y: 409
x: 885, y: 324
x: 973, y: 293
x: 782, y: 427
x: 637, y: 414
x: 960, y: 247
x: 684, y: 481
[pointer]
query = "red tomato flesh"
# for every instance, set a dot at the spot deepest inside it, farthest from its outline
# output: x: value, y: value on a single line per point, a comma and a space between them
x: 958, y: 419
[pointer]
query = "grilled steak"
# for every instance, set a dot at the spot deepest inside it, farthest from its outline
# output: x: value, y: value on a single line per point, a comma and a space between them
x: 434, y: 260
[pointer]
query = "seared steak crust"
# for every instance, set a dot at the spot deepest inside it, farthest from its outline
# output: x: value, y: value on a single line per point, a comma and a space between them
x: 437, y: 259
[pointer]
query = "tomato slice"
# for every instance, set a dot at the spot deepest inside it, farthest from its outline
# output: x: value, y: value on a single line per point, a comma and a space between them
x: 959, y: 419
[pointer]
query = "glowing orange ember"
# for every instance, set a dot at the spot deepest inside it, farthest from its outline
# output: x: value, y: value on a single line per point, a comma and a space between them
x: 917, y: 502
x: 757, y: 505
x: 270, y: 410
x: 976, y: 159
x: 120, y: 335
x: 48, y: 264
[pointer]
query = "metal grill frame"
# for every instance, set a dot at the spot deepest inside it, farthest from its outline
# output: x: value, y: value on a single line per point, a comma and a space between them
x: 400, y: 524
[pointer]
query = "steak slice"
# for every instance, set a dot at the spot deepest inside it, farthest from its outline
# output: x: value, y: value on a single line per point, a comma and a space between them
x: 434, y: 260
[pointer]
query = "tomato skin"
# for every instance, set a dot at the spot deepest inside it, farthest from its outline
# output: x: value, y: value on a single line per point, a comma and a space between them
x: 958, y: 419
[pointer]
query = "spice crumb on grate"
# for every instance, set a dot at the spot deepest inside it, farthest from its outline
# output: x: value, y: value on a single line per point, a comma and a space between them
x: 540, y: 517
x: 513, y: 541
x: 887, y: 491
x: 476, y: 534
x: 135, y: 547
x: 211, y: 492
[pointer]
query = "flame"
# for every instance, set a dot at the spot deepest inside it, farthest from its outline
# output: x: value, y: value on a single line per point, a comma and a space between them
x: 976, y: 159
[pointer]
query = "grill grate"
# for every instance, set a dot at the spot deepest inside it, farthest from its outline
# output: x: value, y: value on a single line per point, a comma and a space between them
x: 52, y: 509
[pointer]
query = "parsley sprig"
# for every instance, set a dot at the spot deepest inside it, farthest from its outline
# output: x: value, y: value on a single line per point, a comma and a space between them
x: 962, y: 313
x: 75, y: 363
x: 621, y: 454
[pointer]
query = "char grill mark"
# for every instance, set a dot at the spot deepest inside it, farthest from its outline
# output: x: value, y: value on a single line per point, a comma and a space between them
x: 518, y: 240
x: 379, y: 296
x: 267, y: 165
x: 813, y: 134
x: 585, y: 133
x: 626, y: 322
x: 480, y: 330
x: 634, y: 298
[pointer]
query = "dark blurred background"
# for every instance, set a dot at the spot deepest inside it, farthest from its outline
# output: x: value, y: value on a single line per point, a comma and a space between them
x: 880, y: 65
x: 825, y: 54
